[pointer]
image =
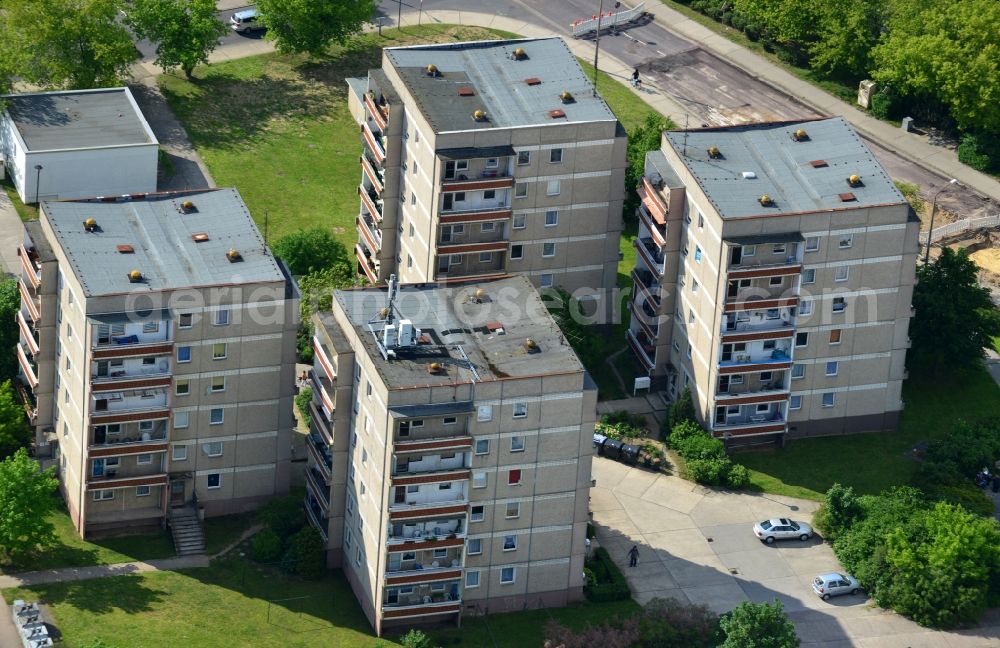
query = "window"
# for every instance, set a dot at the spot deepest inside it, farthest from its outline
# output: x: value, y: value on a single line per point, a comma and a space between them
x: 548, y: 249
x: 835, y: 336
x: 514, y: 477
x: 829, y: 399
x: 180, y: 420
x: 219, y: 350
x: 474, y: 546
x: 347, y: 539
x: 775, y: 281
x: 518, y: 221
x: 477, y: 513
x: 179, y: 453
x: 507, y: 575
x: 812, y: 243
x: 144, y: 459
x: 521, y: 190
x: 749, y: 250
x: 100, y: 495
x: 222, y: 317
x: 801, y: 339
x: 359, y: 557
x: 216, y: 416
x: 482, y: 446
x: 795, y: 402
x: 213, y: 449
x: 551, y: 218
x: 471, y: 579
x: 510, y: 543
x: 694, y: 286
x: 765, y: 376
x: 364, y: 456
x: 701, y: 220
x: 805, y: 307
x: 409, y: 261
x: 773, y: 314
x: 214, y: 480
x: 545, y: 281
x: 513, y: 510
x: 523, y: 158
x: 809, y: 276
x: 846, y: 241
x: 218, y: 384
x: 798, y: 371
x: 450, y: 420
x: 182, y: 387
x: 697, y: 254
x: 516, y: 252
x: 455, y: 259
x: 779, y: 248
x: 555, y: 156
x: 147, y: 327
x: 485, y: 413
x: 488, y: 226
x: 517, y: 444
x: 479, y: 479
x: 492, y: 163
x: 485, y: 257
x: 184, y: 320
x: 839, y: 304
x: 141, y: 491
x: 842, y: 273
x: 520, y: 410
x: 553, y: 188
x: 831, y: 368
x: 762, y: 407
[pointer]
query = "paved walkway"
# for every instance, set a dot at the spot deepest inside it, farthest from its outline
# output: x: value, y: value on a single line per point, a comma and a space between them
x: 696, y: 545
x: 11, y: 235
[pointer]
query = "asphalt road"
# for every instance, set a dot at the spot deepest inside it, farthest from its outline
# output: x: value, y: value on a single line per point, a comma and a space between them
x: 148, y: 50
x: 715, y: 92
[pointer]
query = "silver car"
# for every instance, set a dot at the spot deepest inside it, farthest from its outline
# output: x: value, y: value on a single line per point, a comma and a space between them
x: 781, y: 529
x: 834, y: 584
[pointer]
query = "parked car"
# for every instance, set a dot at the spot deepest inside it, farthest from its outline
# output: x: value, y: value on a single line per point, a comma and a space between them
x: 245, y: 21
x: 782, y: 529
x: 834, y: 584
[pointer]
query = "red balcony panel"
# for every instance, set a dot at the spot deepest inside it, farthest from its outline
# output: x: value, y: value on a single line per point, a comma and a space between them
x: 444, y: 543
x: 431, y: 478
x: 134, y: 382
x: 376, y: 114
x: 750, y: 429
x: 650, y: 198
x: 128, y: 449
x: 477, y: 184
x: 475, y: 217
x: 423, y: 610
x: 373, y: 143
x: 126, y: 482
x: 456, y: 443
x: 639, y: 352
x: 439, y: 511
x: 369, y: 239
x: 780, y: 334
x: 364, y: 264
x: 468, y: 248
x: 421, y: 576
x: 100, y: 418
x: 761, y: 304
x: 769, y: 271
x: 749, y: 399
x: 755, y: 368
x: 133, y: 350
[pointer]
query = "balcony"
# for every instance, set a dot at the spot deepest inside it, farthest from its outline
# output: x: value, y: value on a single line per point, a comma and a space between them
x: 400, y: 512
x: 315, y: 515
x: 421, y: 604
x: 371, y: 202
x: 649, y: 324
x: 415, y: 536
x: 31, y: 300
x: 366, y: 263
x: 128, y: 439
x: 789, y: 267
x: 323, y: 387
x: 431, y: 464
x: 770, y: 324
x: 432, y: 477
x: 657, y: 231
x: 749, y: 420
x: 133, y: 376
x: 323, y: 356
x: 110, y: 479
x: 748, y: 257
x: 646, y: 285
x: 472, y: 248
x: 373, y: 173
x: 28, y: 400
x: 430, y: 497
x: 28, y: 366
x: 318, y: 488
x: 322, y: 421
x: 379, y: 113
x: 758, y: 304
x: 487, y: 179
x: 450, y: 569
x: 754, y: 360
x: 643, y: 350
x: 369, y: 231
x: 27, y: 333
x: 31, y: 266
x: 651, y: 255
x: 132, y: 346
x: 374, y: 142
x: 321, y: 454
x: 652, y: 201
x: 478, y: 214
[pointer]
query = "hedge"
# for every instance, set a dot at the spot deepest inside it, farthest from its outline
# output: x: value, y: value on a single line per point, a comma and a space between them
x: 611, y: 584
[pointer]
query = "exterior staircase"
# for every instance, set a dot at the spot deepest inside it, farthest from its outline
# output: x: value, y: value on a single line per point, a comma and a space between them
x: 189, y: 539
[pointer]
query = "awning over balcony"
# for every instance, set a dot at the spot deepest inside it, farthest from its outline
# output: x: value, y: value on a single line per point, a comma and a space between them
x: 764, y: 239
x: 472, y: 153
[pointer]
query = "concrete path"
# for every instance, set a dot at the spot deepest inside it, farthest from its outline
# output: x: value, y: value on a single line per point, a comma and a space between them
x: 11, y: 236
x: 696, y: 545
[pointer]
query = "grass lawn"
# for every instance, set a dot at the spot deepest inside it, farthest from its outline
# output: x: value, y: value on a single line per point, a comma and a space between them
x: 26, y: 212
x: 873, y: 462
x: 226, y: 605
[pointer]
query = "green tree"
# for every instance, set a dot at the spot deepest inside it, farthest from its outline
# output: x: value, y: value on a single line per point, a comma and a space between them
x: 946, y: 50
x: 680, y: 411
x: 644, y: 138
x: 955, y: 317
x: 25, y: 503
x: 791, y: 23
x: 14, y: 431
x: 847, y: 31
x: 309, y: 250
x: 313, y: 25
x: 942, y: 566
x: 10, y: 303
x: 185, y: 31
x: 310, y: 553
x: 841, y: 510
x: 66, y: 43
x: 302, y: 401
x: 758, y: 625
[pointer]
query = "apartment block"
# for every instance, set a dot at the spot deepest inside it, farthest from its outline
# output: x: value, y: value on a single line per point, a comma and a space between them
x: 157, y: 355
x: 774, y: 274
x: 450, y: 450
x: 483, y: 159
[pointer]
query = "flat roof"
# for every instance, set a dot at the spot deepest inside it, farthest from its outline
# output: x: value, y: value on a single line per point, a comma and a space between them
x: 471, y: 340
x: 158, y: 238
x: 78, y: 119
x: 513, y: 92
x: 806, y: 175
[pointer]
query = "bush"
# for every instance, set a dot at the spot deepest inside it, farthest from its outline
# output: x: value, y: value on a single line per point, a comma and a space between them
x: 619, y: 431
x: 841, y: 509
x: 310, y: 553
x: 626, y: 417
x: 611, y: 584
x: 302, y: 400
x: 284, y: 515
x: 976, y: 151
x: 266, y: 546
x: 700, y: 446
x: 885, y: 104
x: 680, y: 411
x: 669, y: 623
x: 614, y: 634
x: 738, y: 476
x: 415, y: 639
x: 682, y: 431
x: 708, y: 471
x: 758, y: 624
x: 967, y: 495
x: 589, y: 577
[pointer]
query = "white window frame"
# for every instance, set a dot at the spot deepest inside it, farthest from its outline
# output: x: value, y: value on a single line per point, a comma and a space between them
x: 513, y: 575
x: 520, y: 410
x: 545, y: 280
x: 177, y: 423
x: 520, y: 251
x: 144, y: 459
x: 513, y: 538
x: 484, y: 413
x: 518, y: 448
x: 842, y: 270
x: 221, y: 317
x: 846, y: 241
x: 182, y: 317
x: 835, y: 367
x: 809, y: 275
x: 479, y: 452
x: 553, y: 188
x: 221, y: 420
x: 555, y: 156
x: 185, y: 384
x: 804, y: 344
x: 225, y: 350
x: 812, y: 240
x: 548, y: 246
x: 208, y: 482
x: 479, y: 479
x: 103, y: 495
x: 468, y: 575
x: 519, y: 221
x: 555, y: 217
x: 139, y: 489
x: 517, y: 511
x: 833, y: 399
x: 795, y: 402
x: 209, y: 446
x: 472, y: 514
x: 212, y: 386
x: 182, y: 455
x: 486, y: 257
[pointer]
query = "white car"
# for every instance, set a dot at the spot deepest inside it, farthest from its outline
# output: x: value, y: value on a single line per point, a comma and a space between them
x: 835, y: 584
x: 781, y: 529
x: 245, y: 21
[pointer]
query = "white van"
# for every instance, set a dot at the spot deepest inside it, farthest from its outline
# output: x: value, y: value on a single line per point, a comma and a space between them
x: 245, y: 21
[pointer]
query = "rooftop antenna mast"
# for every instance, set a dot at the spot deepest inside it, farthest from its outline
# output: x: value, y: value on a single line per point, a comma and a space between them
x: 393, y: 288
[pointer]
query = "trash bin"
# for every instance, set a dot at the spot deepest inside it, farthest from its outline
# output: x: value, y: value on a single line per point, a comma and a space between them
x: 612, y: 448
x: 629, y: 453
x: 906, y: 124
x: 599, y: 440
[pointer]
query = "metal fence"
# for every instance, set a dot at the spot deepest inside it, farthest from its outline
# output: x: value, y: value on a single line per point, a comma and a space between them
x: 959, y: 227
x: 609, y: 20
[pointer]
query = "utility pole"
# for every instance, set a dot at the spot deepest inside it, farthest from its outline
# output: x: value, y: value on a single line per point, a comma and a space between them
x: 930, y: 231
x: 597, y: 40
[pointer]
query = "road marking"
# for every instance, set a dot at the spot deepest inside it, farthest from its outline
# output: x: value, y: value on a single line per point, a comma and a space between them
x: 660, y: 53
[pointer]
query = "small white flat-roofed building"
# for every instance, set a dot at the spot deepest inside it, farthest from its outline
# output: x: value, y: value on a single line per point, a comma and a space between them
x: 77, y: 144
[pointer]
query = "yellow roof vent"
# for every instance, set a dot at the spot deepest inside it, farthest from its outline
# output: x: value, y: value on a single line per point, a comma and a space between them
x: 435, y: 368
x: 479, y: 115
x: 520, y: 54
x: 432, y: 70
x: 714, y: 152
x: 566, y: 96
x: 854, y: 180
x: 531, y: 346
x: 90, y: 225
x: 766, y: 200
x: 384, y: 313
x: 800, y: 135
x: 135, y: 276
x: 234, y: 255
x: 187, y: 206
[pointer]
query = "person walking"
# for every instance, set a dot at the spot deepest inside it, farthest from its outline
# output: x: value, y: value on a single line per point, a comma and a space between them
x: 636, y: 81
x: 633, y: 556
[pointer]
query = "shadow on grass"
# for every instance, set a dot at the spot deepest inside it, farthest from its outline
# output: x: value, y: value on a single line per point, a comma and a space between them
x: 127, y: 593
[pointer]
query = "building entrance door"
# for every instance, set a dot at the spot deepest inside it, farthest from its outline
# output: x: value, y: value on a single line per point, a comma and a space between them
x: 177, y: 492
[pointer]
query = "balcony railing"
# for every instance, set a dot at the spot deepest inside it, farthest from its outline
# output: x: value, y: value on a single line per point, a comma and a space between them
x: 776, y: 356
x: 651, y: 199
x: 322, y: 454
x: 323, y: 423
x: 371, y: 233
x: 751, y: 418
x: 785, y: 326
x: 150, y: 413
x: 457, y: 497
x: 646, y: 285
x: 650, y: 254
x: 656, y: 230
x: 124, y: 440
x: 318, y: 488
x: 324, y: 387
x: 429, y: 465
x: 790, y: 266
x: 372, y: 203
x: 375, y: 111
x: 417, y: 605
x: 427, y: 531
x: 28, y: 366
x: 366, y: 263
x: 29, y: 297
x: 487, y: 179
x: 32, y: 269
x: 27, y: 332
x: 315, y: 515
x: 644, y: 352
x: 651, y: 330
x: 374, y: 143
x: 371, y: 170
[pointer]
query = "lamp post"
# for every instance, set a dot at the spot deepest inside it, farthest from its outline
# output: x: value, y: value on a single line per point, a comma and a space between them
x: 597, y: 41
x: 930, y: 232
x: 38, y: 180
